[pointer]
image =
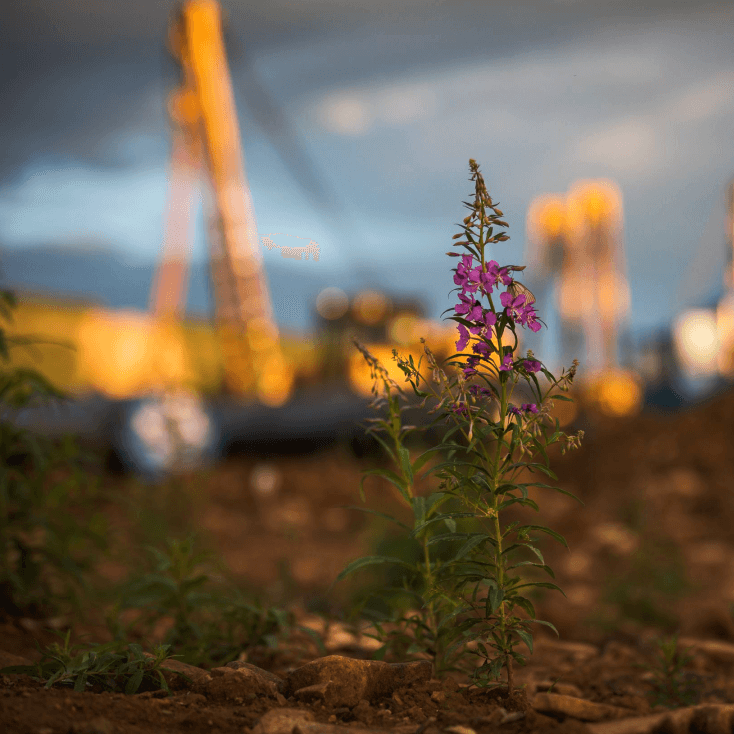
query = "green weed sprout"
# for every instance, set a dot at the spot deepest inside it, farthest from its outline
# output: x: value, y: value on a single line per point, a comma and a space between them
x: 114, y: 666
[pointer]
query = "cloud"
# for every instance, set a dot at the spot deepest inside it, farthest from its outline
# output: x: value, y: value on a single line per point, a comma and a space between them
x: 629, y: 146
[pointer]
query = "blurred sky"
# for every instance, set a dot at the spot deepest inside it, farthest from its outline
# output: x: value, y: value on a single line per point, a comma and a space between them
x: 358, y: 120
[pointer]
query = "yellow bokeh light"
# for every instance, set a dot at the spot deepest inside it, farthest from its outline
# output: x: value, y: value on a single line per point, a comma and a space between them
x: 617, y: 393
x: 275, y: 381
x: 547, y: 217
x: 591, y: 202
x: 262, y: 334
x: 403, y: 329
x: 359, y: 370
x: 370, y: 307
x: 332, y: 303
x: 697, y: 341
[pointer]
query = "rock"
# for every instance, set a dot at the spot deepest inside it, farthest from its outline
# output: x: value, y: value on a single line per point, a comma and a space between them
x: 316, y: 692
x: 281, y: 721
x: 706, y: 718
x: 173, y: 670
x: 577, y: 651
x: 7, y: 659
x: 298, y: 721
x: 577, y: 708
x: 721, y: 652
x: 259, y: 672
x: 565, y: 689
x: 352, y: 680
x: 460, y: 730
x: 230, y: 684
x: 243, y: 680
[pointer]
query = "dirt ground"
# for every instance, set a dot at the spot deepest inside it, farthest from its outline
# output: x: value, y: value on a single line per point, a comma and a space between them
x: 650, y: 553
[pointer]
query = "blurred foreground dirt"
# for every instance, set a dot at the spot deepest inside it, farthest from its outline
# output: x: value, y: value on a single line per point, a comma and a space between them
x: 650, y: 553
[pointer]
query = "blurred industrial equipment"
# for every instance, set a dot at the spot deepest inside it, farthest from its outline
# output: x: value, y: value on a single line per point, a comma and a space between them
x: 149, y: 401
x: 576, y: 239
x: 703, y: 336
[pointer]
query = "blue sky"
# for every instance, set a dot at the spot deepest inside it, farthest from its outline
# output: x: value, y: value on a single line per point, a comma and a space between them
x: 385, y: 104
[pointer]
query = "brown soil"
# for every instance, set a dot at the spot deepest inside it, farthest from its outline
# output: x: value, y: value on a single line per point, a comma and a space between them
x: 650, y: 553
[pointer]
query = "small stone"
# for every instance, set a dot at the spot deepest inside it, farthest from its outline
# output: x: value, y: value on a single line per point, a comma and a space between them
x: 577, y: 708
x: 352, y: 680
x: 438, y: 696
x: 316, y: 692
x: 460, y: 730
x: 281, y: 721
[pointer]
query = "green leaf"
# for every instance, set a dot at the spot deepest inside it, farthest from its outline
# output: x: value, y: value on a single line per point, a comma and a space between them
x: 419, y: 463
x: 527, y: 638
x: 80, y: 683
x: 525, y: 604
x: 134, y: 683
x: 522, y: 501
x: 543, y: 529
x: 547, y: 624
x: 419, y: 512
x: 544, y: 584
x: 471, y: 544
x: 391, y: 477
x: 371, y: 561
x: 440, y: 518
x: 494, y: 599
x: 547, y: 569
x: 405, y: 464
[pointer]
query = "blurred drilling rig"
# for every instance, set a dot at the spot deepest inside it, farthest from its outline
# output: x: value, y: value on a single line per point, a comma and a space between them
x: 575, y: 241
x: 576, y: 244
x: 170, y: 393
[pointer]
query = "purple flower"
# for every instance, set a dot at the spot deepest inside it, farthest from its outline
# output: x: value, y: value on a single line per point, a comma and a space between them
x: 471, y: 363
x: 504, y: 276
x: 529, y: 318
x: 529, y: 407
x: 460, y: 409
x: 463, y: 338
x: 506, y: 365
x: 481, y: 348
x: 476, y: 391
x: 461, y: 277
x: 485, y: 321
x: 514, y: 305
x: 532, y: 365
x: 469, y: 307
x: 512, y: 409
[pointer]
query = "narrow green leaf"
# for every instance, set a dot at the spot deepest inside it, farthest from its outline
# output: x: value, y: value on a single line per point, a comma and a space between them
x: 547, y: 624
x: 134, y: 682
x: 391, y: 477
x: 494, y: 599
x: 526, y: 604
x: 405, y: 465
x: 371, y: 561
x: 544, y: 529
x: 544, y: 584
x: 527, y: 638
x: 419, y: 463
x: 419, y: 512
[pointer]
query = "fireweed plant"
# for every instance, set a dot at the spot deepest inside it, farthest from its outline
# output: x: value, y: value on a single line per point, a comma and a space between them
x: 470, y: 596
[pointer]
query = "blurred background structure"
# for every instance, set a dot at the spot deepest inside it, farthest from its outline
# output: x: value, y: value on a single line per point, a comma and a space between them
x: 127, y: 218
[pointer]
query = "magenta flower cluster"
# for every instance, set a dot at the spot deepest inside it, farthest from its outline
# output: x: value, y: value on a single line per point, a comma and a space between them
x: 471, y: 280
x: 524, y: 408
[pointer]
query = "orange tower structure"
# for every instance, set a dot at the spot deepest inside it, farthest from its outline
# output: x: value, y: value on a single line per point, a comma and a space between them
x: 206, y: 146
